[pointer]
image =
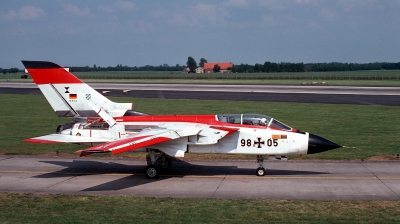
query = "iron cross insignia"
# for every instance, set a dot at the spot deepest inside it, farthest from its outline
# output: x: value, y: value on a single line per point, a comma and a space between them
x: 259, y: 143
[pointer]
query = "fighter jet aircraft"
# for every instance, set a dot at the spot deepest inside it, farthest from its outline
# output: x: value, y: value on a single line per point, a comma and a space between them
x: 109, y: 127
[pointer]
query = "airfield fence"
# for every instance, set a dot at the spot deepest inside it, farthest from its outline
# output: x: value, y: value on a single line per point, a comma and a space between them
x: 354, y: 75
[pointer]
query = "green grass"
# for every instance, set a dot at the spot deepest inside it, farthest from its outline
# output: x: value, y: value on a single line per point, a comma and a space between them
x: 31, y: 208
x: 374, y: 77
x: 368, y: 130
x: 257, y: 81
x: 343, y: 75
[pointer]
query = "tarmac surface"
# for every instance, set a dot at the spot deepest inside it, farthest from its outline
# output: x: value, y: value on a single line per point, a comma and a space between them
x: 385, y: 96
x: 287, y: 180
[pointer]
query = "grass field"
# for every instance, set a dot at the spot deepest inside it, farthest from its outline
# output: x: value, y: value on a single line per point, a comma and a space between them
x: 375, y: 77
x: 368, y: 130
x: 393, y: 75
x: 30, y: 208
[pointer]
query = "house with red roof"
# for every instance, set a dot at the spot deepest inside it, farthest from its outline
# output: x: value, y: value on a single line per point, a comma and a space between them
x: 225, y: 67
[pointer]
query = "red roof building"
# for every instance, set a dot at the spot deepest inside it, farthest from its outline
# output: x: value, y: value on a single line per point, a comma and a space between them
x: 209, y: 66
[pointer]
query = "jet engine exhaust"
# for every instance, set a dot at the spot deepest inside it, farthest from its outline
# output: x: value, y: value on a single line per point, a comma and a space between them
x: 317, y: 144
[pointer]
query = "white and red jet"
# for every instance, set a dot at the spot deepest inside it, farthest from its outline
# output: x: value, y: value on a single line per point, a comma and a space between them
x: 107, y: 126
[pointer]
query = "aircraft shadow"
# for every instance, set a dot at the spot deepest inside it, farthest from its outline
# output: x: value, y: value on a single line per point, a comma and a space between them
x: 179, y: 169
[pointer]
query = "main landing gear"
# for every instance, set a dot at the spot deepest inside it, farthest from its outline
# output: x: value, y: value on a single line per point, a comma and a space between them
x: 157, y: 163
x: 260, y: 169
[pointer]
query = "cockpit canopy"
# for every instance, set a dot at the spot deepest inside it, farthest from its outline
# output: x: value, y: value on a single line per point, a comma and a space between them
x: 253, y: 119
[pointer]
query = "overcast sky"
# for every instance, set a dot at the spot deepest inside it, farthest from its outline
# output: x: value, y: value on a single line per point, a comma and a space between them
x: 137, y: 33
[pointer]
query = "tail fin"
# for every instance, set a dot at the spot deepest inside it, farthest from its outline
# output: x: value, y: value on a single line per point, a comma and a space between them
x: 69, y: 96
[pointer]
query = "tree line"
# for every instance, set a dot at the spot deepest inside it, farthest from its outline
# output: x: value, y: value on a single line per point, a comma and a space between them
x: 120, y: 67
x: 337, y: 66
x: 270, y: 67
x: 267, y: 67
x: 10, y: 70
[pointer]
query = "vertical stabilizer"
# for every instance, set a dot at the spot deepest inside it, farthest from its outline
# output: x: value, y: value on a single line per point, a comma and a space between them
x: 68, y: 95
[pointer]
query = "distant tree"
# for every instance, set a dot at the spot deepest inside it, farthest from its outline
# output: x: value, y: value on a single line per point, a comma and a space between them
x: 267, y: 66
x: 273, y: 67
x: 191, y: 64
x: 13, y: 70
x: 202, y: 61
x: 258, y: 68
x: 217, y: 68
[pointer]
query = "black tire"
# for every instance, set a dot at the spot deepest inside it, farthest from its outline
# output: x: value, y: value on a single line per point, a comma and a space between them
x: 152, y: 172
x: 166, y: 164
x: 260, y: 171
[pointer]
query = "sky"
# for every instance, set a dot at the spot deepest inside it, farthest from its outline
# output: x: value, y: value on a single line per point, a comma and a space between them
x: 138, y: 33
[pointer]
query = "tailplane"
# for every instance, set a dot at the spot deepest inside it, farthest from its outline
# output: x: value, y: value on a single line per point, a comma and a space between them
x: 69, y: 96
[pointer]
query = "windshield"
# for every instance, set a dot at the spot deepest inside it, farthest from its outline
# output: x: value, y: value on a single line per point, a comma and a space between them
x: 252, y: 119
x: 279, y: 125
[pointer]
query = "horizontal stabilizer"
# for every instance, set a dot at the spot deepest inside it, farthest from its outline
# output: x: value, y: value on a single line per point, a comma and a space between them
x: 58, y: 138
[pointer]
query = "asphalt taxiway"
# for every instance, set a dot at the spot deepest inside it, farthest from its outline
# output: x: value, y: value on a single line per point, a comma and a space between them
x: 362, y: 95
x: 289, y: 180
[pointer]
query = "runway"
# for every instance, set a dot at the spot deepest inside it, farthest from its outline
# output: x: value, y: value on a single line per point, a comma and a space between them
x: 385, y: 96
x: 284, y: 180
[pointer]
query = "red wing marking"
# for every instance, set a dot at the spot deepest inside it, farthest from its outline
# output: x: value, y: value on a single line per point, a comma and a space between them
x: 125, y: 145
x: 133, y: 145
x: 41, y: 141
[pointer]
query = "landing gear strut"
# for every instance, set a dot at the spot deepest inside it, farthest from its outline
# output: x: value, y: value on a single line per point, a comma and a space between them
x: 164, y: 162
x: 260, y: 169
x: 157, y: 163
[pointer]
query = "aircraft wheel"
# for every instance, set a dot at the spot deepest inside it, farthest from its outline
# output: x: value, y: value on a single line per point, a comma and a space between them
x: 260, y: 171
x: 166, y: 164
x: 152, y: 171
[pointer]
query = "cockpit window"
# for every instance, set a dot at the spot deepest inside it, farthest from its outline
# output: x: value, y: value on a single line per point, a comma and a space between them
x: 249, y: 119
x: 256, y: 119
x: 230, y: 118
x: 252, y: 119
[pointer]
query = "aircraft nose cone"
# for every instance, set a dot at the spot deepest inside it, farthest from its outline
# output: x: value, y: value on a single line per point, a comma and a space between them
x: 317, y: 144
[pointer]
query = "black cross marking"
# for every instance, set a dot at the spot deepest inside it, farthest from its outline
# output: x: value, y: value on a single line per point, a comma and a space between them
x: 259, y: 142
x: 66, y: 89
